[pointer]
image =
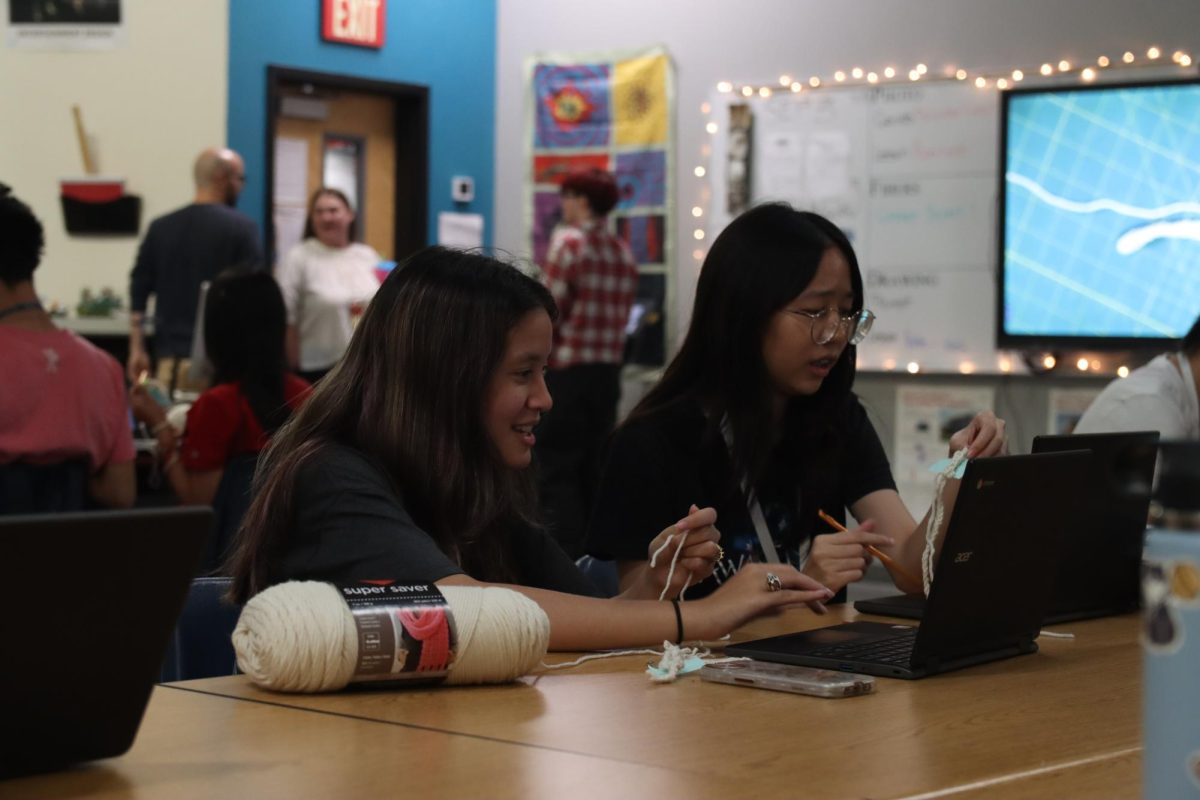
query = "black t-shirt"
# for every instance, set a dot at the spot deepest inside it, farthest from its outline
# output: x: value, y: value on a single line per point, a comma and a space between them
x: 350, y: 525
x: 182, y: 250
x: 657, y: 466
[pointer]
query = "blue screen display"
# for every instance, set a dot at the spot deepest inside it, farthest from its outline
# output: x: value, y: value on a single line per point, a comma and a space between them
x: 1102, y: 212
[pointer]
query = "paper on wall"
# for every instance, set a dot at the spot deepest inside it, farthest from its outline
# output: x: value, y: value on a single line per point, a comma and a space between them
x: 1066, y: 406
x: 291, y: 172
x: 460, y: 231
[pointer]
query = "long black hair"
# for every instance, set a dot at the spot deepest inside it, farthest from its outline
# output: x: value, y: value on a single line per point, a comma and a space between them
x: 761, y: 262
x: 409, y: 394
x: 244, y: 326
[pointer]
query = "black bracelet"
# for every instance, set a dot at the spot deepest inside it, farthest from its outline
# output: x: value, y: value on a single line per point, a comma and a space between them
x: 678, y: 622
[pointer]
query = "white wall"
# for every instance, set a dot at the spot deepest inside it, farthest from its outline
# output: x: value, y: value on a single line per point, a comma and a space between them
x: 150, y: 105
x: 759, y: 40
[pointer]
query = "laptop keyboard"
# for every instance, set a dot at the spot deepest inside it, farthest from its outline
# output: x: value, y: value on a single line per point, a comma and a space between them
x: 895, y: 650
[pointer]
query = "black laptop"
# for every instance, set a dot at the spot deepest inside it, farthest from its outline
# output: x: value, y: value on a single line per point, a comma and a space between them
x: 992, y: 583
x: 89, y: 602
x: 1100, y: 575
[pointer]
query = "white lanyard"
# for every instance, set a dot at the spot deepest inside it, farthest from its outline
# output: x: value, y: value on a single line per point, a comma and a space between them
x: 765, y: 542
x: 760, y: 527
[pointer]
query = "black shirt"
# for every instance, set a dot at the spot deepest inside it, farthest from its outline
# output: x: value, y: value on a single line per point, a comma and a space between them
x: 182, y: 250
x: 657, y: 466
x: 351, y: 525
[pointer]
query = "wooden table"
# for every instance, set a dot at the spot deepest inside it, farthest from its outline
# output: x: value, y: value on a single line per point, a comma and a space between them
x: 203, y: 746
x: 1063, y: 722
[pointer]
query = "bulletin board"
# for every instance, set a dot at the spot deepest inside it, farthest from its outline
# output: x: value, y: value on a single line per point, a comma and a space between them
x: 909, y: 172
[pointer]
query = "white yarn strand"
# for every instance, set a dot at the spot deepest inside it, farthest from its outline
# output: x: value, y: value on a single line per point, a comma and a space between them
x: 597, y: 656
x: 674, y: 559
x: 936, y: 512
x: 301, y: 636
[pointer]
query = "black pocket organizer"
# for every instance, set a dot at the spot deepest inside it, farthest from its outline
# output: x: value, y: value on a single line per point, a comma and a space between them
x: 119, y: 217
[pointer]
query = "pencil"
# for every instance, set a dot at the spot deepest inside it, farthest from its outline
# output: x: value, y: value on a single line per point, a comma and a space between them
x: 887, y: 560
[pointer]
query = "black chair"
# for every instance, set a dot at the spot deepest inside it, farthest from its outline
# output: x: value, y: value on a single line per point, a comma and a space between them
x: 230, y: 504
x: 602, y: 574
x: 200, y: 646
x: 41, y: 488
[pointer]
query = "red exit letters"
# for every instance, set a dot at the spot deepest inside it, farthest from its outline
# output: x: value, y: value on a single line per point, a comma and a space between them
x: 357, y: 22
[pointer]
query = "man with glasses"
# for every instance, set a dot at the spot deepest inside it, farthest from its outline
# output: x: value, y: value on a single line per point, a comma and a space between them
x: 181, y: 251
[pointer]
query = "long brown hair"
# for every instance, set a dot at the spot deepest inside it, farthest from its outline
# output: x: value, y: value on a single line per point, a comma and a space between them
x: 408, y: 394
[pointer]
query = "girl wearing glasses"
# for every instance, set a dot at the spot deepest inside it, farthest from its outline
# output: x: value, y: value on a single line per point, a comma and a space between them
x: 755, y: 417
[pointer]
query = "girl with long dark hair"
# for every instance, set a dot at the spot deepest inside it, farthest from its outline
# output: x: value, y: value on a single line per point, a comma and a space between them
x: 409, y: 464
x: 756, y: 417
x: 252, y: 392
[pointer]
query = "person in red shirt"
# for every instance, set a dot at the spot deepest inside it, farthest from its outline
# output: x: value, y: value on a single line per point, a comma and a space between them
x: 62, y: 399
x: 592, y: 277
x: 252, y: 392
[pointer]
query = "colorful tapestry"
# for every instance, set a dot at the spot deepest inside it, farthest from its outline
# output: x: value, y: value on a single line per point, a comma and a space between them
x: 614, y: 112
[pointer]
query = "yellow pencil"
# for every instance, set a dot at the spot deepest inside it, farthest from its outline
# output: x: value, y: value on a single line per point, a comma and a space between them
x: 887, y: 560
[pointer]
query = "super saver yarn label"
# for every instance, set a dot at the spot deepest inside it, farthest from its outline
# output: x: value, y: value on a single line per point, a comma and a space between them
x: 405, y: 632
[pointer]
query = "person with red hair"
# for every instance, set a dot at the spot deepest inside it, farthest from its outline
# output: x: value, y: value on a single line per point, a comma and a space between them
x: 593, y: 278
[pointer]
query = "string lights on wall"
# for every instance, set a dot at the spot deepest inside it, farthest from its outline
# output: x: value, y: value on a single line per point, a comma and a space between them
x: 1153, y: 57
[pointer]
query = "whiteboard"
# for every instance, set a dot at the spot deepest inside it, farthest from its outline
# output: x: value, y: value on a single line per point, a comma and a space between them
x: 909, y: 172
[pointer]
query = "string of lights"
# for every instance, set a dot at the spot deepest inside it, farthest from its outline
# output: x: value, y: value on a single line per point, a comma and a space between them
x: 1001, y: 80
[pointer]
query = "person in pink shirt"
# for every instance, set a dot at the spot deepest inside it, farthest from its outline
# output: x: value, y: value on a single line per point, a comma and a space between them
x: 61, y: 398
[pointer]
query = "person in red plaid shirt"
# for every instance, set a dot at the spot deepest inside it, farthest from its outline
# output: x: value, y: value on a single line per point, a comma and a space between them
x: 593, y: 278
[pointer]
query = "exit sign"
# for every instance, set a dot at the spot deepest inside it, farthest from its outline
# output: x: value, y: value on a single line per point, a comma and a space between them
x: 356, y: 22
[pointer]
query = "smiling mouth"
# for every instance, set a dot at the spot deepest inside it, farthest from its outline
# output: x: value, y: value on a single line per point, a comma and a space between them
x: 526, y: 432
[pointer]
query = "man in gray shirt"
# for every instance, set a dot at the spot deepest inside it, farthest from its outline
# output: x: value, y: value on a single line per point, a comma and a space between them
x: 185, y: 248
x: 1160, y: 396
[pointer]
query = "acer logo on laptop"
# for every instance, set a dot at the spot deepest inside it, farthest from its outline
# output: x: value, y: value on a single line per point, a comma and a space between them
x: 963, y: 557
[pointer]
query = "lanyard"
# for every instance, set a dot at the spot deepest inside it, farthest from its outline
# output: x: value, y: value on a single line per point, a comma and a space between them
x: 766, y: 542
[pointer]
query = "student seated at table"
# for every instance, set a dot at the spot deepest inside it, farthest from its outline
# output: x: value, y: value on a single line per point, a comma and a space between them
x: 410, y: 463
x: 252, y: 394
x: 1159, y: 396
x: 62, y: 400
x: 759, y: 402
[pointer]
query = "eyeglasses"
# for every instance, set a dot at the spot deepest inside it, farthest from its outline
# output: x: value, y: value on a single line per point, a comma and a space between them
x: 828, y: 322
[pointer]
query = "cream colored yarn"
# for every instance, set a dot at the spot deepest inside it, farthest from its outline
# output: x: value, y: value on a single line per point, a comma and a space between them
x: 301, y: 637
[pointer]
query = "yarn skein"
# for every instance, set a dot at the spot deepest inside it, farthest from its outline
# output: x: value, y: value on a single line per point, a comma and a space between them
x: 300, y: 636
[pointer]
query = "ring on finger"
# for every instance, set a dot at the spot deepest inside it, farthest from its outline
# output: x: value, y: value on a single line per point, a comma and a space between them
x: 773, y: 582
x: 720, y: 556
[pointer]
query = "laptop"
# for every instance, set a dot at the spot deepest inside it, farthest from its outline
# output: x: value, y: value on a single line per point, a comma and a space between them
x: 992, y: 583
x: 1101, y: 575
x: 90, y: 600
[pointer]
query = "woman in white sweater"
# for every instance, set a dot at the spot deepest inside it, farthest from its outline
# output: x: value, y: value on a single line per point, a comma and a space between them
x: 327, y: 281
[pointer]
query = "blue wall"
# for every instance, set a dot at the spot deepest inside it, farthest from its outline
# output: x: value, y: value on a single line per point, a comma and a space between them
x: 447, y: 45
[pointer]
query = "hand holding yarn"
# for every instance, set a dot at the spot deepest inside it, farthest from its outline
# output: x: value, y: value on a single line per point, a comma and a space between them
x: 984, y: 436
x: 684, y: 553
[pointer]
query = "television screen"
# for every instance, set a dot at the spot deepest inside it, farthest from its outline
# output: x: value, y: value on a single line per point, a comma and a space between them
x: 1100, y: 214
